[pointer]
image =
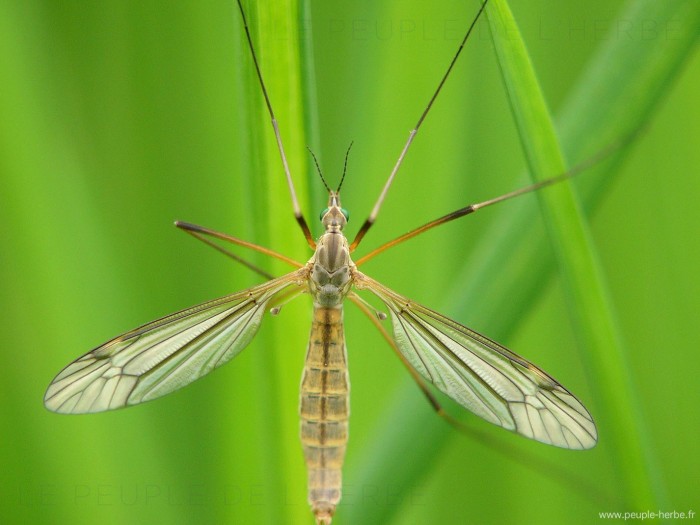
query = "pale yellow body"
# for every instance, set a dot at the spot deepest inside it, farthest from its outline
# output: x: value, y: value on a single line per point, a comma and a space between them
x: 325, y: 410
x: 325, y: 385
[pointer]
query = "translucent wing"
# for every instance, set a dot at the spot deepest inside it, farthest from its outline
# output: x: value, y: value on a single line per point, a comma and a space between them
x: 485, y: 377
x: 164, y: 355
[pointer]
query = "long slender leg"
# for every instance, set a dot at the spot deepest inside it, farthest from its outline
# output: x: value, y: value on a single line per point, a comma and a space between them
x: 580, y: 168
x: 232, y: 255
x: 517, y: 454
x: 295, y: 202
x: 279, y: 300
x: 193, y: 228
x: 375, y: 211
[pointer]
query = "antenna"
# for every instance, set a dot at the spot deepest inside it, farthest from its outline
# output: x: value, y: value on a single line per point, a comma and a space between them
x: 318, y: 168
x: 345, y: 166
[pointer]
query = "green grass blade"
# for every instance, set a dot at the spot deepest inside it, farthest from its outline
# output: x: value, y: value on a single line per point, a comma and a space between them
x: 277, y: 433
x: 620, y: 417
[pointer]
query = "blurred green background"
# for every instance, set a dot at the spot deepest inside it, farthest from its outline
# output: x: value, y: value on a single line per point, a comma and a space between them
x: 117, y: 118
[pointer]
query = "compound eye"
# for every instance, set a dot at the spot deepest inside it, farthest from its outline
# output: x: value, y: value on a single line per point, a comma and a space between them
x: 323, y: 213
x: 345, y: 213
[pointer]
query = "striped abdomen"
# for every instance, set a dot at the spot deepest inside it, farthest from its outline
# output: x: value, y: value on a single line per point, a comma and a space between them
x: 324, y: 410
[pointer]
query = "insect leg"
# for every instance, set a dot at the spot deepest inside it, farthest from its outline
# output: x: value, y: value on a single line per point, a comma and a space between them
x: 295, y: 202
x: 375, y: 211
x: 576, y: 170
x: 198, y: 231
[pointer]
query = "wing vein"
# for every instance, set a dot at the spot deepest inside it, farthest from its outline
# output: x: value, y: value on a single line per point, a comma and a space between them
x: 484, y: 376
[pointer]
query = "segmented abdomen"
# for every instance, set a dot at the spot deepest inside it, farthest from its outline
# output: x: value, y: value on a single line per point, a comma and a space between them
x: 324, y: 410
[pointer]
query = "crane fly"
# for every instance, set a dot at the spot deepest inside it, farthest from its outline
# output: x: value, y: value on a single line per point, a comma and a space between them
x: 476, y: 372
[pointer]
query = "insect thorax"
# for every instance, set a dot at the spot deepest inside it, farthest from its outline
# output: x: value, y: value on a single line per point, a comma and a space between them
x: 330, y: 278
